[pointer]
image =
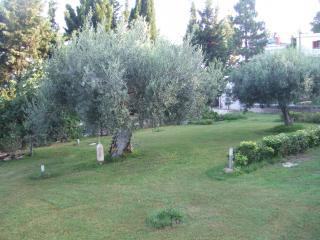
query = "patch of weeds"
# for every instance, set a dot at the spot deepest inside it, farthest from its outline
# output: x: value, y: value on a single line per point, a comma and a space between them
x: 164, y: 218
x: 285, y: 129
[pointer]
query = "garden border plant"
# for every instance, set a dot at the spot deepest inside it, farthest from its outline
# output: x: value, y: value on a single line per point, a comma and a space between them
x: 271, y: 147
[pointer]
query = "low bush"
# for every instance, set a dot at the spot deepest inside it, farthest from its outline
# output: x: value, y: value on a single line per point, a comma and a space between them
x: 249, y: 152
x: 305, y: 117
x: 208, y: 117
x: 201, y: 122
x: 232, y: 116
x: 164, y: 218
x: 211, y: 115
x: 286, y: 129
x: 248, y: 149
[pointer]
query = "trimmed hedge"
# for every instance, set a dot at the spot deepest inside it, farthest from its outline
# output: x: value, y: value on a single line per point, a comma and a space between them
x: 278, y: 145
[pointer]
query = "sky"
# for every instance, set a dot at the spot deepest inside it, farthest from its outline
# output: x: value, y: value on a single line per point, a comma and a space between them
x: 285, y: 17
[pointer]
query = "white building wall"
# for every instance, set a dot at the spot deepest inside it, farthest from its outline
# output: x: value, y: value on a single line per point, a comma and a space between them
x: 305, y: 43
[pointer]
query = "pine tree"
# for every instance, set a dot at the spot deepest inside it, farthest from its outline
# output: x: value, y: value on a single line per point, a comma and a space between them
x: 192, y: 25
x: 214, y: 36
x: 316, y: 23
x: 250, y: 34
x: 52, y: 15
x: 145, y: 8
x: 25, y: 37
x: 101, y: 11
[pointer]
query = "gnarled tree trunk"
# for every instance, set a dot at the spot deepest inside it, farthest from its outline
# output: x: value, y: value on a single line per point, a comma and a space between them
x: 286, y: 117
x: 121, y: 143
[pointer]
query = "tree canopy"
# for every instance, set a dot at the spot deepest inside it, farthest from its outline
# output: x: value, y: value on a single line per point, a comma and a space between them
x: 213, y: 36
x: 115, y: 79
x: 280, y: 77
x: 316, y: 23
x: 101, y: 11
x: 25, y: 38
x: 145, y: 9
x: 250, y: 34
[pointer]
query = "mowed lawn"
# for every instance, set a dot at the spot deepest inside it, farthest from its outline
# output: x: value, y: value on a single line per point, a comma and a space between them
x: 173, y: 167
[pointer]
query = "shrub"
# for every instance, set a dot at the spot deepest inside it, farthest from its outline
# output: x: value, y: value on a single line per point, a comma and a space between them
x: 164, y: 218
x: 201, y: 122
x: 281, y: 144
x: 240, y: 160
x: 305, y: 117
x: 273, y: 142
x: 233, y: 116
x: 211, y: 115
x: 264, y: 152
x: 248, y: 149
x: 286, y: 129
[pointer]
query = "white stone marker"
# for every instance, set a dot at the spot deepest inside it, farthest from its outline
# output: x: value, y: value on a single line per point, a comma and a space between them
x: 78, y: 141
x: 42, y: 169
x: 229, y: 169
x: 100, y: 153
x: 230, y: 162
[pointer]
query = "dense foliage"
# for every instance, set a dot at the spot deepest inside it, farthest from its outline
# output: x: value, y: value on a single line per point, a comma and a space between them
x: 164, y: 218
x: 250, y: 34
x: 277, y: 145
x: 101, y: 11
x: 115, y: 79
x: 214, y: 36
x: 316, y: 23
x: 312, y: 117
x: 25, y: 39
x: 145, y: 9
x: 280, y: 77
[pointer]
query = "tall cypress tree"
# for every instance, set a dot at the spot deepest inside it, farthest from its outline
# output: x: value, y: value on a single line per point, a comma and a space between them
x: 115, y: 13
x: 250, y: 34
x: 193, y: 20
x: 101, y: 11
x: 52, y: 15
x: 145, y: 8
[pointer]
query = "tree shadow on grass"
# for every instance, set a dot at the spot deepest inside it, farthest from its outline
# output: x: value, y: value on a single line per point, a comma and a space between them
x: 217, y: 173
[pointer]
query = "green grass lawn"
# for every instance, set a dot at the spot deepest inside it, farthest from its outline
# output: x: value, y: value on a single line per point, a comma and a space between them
x: 170, y: 168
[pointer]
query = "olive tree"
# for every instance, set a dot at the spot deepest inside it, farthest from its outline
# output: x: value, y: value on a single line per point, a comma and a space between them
x: 116, y: 79
x: 278, y: 77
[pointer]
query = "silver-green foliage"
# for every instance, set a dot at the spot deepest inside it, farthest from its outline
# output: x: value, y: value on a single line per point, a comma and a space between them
x: 111, y: 78
x: 282, y: 77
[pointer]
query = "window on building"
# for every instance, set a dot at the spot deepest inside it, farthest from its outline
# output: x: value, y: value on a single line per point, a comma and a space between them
x: 316, y: 44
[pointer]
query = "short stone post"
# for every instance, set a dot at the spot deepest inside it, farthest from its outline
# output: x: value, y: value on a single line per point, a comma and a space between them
x: 230, y: 159
x: 229, y: 168
x: 42, y: 169
x: 100, y: 153
x: 78, y: 141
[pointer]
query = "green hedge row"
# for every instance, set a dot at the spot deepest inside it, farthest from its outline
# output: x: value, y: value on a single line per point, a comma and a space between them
x: 277, y: 145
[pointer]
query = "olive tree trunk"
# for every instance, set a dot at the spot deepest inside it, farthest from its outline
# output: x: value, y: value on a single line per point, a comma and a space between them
x: 286, y: 117
x: 121, y: 143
